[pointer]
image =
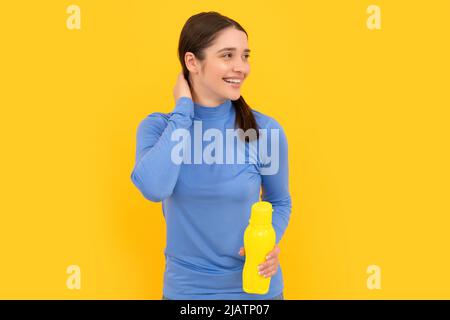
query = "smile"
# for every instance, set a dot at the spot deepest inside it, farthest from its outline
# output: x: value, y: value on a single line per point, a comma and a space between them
x: 229, y: 80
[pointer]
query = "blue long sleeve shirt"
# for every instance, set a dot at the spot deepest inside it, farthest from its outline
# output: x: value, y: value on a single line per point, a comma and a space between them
x: 207, y: 205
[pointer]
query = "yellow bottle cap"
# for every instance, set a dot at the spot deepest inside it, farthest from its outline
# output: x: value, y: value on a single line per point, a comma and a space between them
x: 261, y: 213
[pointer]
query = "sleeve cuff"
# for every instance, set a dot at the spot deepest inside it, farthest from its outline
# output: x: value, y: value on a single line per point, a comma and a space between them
x: 184, y: 106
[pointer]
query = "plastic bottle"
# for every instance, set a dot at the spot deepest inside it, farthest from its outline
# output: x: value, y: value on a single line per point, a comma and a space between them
x: 259, y: 240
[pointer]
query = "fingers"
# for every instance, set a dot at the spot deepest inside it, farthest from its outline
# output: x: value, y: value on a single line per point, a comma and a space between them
x: 181, y: 88
x: 268, y: 271
x: 270, y: 266
x: 274, y: 253
x: 270, y: 263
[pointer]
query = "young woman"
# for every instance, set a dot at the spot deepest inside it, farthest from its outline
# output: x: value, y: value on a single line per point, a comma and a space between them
x: 206, y: 198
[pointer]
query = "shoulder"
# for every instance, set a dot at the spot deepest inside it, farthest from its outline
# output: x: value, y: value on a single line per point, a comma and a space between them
x: 270, y: 128
x: 265, y: 121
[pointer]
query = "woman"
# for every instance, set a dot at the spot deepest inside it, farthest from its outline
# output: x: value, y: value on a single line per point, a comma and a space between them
x: 206, y: 200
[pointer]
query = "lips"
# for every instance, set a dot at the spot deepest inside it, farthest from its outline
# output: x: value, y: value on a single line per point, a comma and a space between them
x: 236, y: 85
x: 233, y: 78
x: 234, y: 82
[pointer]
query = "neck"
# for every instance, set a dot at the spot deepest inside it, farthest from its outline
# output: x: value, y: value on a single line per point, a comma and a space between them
x: 204, y: 100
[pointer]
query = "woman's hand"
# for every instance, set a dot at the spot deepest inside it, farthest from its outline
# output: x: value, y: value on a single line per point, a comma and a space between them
x: 270, y: 267
x: 181, y: 88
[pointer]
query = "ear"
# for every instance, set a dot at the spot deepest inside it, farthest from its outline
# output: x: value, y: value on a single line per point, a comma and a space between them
x: 191, y: 62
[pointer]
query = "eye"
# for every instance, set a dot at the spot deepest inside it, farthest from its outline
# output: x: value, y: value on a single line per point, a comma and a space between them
x: 228, y: 55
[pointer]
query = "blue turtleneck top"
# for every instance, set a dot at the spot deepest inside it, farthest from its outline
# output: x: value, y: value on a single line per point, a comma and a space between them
x: 207, y: 205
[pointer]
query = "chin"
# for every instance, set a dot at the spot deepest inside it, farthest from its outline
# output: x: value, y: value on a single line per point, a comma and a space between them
x: 234, y: 96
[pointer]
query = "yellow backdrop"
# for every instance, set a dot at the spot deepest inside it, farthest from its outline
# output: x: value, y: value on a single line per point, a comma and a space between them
x: 361, y: 88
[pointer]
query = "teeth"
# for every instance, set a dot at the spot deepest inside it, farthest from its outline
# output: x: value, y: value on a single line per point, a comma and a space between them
x: 233, y: 80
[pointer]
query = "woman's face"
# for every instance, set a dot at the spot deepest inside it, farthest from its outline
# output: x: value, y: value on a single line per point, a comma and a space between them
x: 225, y: 67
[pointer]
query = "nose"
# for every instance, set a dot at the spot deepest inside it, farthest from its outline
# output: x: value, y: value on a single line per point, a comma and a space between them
x: 239, y: 66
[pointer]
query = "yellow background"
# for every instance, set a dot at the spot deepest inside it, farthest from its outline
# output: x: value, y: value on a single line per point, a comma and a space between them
x: 366, y: 113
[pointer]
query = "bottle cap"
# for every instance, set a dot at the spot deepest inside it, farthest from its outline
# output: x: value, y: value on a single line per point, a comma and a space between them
x: 261, y: 213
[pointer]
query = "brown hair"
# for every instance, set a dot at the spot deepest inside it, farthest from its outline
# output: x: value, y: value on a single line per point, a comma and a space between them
x: 198, y: 33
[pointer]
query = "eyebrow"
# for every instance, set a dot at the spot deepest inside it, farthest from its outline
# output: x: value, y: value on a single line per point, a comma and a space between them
x: 231, y: 49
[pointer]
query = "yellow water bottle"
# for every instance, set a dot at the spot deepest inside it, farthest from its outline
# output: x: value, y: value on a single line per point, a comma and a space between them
x: 259, y: 240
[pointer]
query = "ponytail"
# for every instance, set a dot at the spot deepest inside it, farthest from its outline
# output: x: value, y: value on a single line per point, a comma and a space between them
x: 245, y: 118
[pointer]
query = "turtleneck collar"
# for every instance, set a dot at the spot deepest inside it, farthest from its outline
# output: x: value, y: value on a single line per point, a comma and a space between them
x: 219, y: 111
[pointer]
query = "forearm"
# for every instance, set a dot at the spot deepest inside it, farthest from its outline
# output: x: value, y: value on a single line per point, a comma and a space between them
x: 155, y: 173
